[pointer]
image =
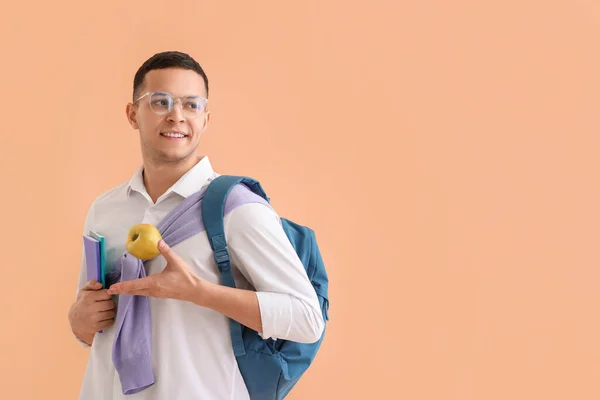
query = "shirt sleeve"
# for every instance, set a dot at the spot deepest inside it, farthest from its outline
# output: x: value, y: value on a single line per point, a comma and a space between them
x: 262, y: 252
x: 82, y: 279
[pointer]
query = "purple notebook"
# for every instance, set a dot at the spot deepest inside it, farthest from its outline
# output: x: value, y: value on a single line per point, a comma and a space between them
x: 92, y: 259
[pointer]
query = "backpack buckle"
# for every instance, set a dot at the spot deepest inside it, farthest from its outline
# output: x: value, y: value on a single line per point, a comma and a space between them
x: 222, y: 259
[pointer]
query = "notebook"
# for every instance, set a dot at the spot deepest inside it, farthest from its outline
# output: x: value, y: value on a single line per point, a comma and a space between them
x: 94, y: 257
x: 93, y: 260
x: 101, y: 240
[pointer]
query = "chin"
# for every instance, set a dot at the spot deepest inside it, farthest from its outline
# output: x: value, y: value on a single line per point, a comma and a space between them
x: 175, y: 156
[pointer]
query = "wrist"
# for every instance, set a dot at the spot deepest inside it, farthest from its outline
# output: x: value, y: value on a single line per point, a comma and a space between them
x: 200, y: 292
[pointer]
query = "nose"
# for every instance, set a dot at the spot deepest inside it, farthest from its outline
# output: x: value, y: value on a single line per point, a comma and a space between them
x: 176, y: 113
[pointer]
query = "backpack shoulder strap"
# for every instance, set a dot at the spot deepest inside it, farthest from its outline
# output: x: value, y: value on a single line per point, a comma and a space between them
x: 213, y: 209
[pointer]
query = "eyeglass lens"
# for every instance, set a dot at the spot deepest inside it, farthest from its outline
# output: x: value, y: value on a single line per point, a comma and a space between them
x: 162, y: 103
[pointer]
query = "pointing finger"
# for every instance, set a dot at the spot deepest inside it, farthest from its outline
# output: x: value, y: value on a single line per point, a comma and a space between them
x: 131, y: 287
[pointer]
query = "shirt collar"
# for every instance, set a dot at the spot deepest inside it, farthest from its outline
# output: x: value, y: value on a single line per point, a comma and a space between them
x: 191, y: 182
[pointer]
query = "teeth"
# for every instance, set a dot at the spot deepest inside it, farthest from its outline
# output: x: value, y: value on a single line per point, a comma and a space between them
x: 173, y: 135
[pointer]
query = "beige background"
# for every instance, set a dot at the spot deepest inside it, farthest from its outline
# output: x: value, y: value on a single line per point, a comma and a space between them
x: 446, y: 153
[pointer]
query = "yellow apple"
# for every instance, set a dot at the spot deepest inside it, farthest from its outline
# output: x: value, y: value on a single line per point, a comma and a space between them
x: 142, y: 241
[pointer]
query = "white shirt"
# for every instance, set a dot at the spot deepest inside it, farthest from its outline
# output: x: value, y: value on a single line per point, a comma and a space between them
x: 191, y: 345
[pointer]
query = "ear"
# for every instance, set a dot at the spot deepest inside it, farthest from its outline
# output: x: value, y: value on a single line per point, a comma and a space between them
x: 131, y: 113
x: 206, y: 120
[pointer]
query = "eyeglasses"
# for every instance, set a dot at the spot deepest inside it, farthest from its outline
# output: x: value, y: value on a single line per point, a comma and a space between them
x: 162, y: 103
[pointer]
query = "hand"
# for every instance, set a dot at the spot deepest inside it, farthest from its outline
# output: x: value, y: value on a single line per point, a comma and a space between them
x: 92, y: 311
x: 175, y: 281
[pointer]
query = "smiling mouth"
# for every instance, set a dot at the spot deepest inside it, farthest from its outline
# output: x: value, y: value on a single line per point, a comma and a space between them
x: 174, y: 135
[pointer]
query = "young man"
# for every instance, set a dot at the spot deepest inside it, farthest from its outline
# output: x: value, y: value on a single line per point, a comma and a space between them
x: 192, y: 355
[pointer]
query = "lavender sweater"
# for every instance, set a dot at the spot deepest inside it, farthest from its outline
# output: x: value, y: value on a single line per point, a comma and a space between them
x: 132, y: 347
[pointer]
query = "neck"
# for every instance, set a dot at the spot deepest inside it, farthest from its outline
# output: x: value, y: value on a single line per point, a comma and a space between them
x: 159, y: 177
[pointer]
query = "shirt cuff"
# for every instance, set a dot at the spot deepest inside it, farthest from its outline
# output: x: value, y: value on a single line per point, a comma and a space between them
x: 275, y: 313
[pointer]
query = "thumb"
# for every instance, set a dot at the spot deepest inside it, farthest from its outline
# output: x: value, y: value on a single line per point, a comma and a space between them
x: 92, y: 285
x: 167, y: 253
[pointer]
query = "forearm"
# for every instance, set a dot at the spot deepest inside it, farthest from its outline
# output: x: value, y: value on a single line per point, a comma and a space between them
x: 244, y: 307
x: 238, y: 304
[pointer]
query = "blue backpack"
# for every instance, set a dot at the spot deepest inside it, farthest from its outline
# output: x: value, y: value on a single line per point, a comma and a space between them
x: 270, y: 368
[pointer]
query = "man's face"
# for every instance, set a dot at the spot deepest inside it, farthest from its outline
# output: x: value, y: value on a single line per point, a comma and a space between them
x: 157, y: 131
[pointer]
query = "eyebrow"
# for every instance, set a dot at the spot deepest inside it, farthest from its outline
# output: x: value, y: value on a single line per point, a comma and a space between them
x: 189, y: 95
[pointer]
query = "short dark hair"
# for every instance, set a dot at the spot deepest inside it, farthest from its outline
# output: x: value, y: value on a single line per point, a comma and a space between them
x: 166, y: 59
